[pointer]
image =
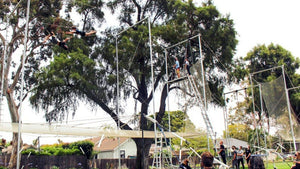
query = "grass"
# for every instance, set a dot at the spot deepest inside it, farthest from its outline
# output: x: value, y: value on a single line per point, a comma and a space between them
x: 278, y: 165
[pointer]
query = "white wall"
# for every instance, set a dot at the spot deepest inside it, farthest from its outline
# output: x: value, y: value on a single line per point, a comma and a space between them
x: 130, y: 150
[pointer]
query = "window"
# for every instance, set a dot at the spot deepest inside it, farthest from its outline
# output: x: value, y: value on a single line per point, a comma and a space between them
x: 122, y: 153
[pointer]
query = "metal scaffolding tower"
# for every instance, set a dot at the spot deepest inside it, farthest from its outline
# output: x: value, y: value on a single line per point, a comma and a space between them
x: 198, y: 88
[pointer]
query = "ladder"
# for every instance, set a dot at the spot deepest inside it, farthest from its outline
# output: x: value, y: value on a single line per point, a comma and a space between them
x: 163, y: 152
x: 202, y: 104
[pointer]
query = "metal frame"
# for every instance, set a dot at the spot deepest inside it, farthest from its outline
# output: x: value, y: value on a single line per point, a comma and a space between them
x: 203, y: 79
x: 152, y: 75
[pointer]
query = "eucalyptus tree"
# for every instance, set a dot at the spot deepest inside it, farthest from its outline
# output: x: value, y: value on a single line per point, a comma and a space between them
x: 92, y: 76
x: 43, y: 18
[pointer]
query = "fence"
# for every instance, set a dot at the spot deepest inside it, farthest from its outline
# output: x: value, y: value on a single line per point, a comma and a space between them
x: 48, y: 162
x: 80, y: 162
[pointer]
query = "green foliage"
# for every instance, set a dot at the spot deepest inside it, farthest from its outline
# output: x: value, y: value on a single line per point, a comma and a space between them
x: 85, y: 146
x: 178, y: 119
x: 64, y: 149
x: 30, y: 151
x: 239, y: 131
x: 264, y: 57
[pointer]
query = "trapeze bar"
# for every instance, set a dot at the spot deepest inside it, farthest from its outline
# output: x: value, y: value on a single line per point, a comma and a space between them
x: 131, y: 26
x: 234, y: 91
x: 265, y: 70
x: 182, y: 41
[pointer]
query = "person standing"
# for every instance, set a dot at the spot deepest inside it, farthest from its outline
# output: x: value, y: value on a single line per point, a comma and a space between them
x: 240, y: 158
x: 222, y: 152
x: 177, y: 67
x: 234, y: 159
x: 187, y: 65
x: 248, y: 154
x: 207, y: 160
x: 256, y: 162
x: 297, y: 161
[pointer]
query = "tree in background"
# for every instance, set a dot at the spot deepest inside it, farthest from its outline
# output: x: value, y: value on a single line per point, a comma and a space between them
x: 180, y: 122
x: 89, y: 73
x: 239, y: 131
x: 264, y: 57
x: 260, y: 58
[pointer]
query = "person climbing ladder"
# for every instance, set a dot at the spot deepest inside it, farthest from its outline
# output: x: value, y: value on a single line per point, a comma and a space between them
x: 78, y: 32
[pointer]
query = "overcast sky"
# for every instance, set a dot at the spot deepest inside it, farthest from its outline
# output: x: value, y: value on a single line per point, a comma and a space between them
x: 256, y: 22
x: 264, y: 22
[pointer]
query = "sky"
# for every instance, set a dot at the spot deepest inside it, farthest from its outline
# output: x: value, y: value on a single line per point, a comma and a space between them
x: 256, y: 22
x: 264, y: 22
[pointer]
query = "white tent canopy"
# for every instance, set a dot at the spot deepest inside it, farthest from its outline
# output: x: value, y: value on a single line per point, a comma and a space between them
x: 81, y: 131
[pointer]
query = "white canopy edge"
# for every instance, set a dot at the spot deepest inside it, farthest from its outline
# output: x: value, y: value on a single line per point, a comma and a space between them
x: 81, y: 131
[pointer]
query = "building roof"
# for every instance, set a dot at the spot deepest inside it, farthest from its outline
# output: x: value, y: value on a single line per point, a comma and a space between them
x: 229, y: 142
x: 107, y: 144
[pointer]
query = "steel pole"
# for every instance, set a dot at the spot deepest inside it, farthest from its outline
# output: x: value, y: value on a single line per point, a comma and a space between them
x: 22, y: 84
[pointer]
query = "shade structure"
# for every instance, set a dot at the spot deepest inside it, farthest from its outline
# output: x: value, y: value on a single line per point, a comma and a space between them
x: 67, y: 130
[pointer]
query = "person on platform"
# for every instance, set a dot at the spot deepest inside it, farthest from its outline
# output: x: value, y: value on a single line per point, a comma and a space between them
x: 187, y: 65
x: 177, y: 67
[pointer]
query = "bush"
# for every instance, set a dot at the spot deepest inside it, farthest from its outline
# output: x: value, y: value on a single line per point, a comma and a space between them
x: 86, y: 146
x: 64, y: 149
x: 30, y: 151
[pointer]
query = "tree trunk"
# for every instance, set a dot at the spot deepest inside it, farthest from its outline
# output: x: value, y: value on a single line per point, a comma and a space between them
x: 13, y: 109
x: 13, y: 157
x: 142, y: 156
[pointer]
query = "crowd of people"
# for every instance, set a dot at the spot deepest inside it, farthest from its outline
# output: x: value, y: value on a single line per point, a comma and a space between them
x: 253, y: 161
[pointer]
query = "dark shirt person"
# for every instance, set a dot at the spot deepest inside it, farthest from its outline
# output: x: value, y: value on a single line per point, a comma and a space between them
x: 207, y: 160
x: 256, y: 162
x: 74, y: 30
x: 185, y: 164
x: 248, y: 154
x: 55, y: 40
x: 222, y: 152
x: 297, y: 161
x: 234, y: 159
